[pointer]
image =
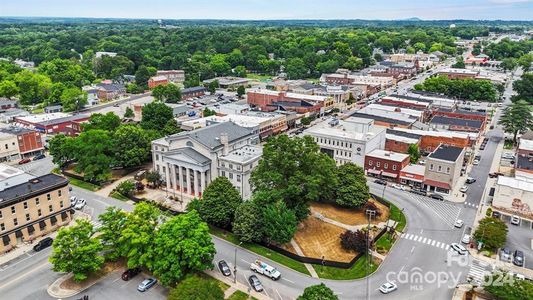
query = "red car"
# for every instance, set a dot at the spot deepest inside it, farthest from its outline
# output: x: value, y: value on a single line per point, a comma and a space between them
x: 24, y: 161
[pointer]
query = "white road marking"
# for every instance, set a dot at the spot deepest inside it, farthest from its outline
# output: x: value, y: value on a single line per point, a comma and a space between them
x: 428, y: 242
x: 287, y: 280
x: 246, y: 261
x: 402, y: 268
x: 447, y: 247
x: 424, y: 240
x: 412, y: 249
x: 278, y: 294
x: 433, y: 243
x: 438, y: 245
x: 32, y: 270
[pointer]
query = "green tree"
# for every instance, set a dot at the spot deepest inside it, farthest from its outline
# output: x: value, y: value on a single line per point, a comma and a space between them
x: 460, y: 63
x: 137, y: 238
x: 158, y: 93
x: 33, y: 88
x: 208, y: 112
x: 75, y: 250
x: 73, y: 99
x: 517, y: 118
x: 306, y: 121
x: 155, y: 115
x: 525, y: 61
x: 196, y: 287
x: 509, y: 63
x: 131, y: 146
x: 414, y: 153
x: 8, y: 89
x: 129, y: 113
x: 247, y: 225
x: 351, y: 190
x: 240, y: 91
x: 94, y: 155
x: 62, y: 149
x: 492, y: 232
x: 295, y: 171
x: 182, y: 245
x: 171, y: 127
x: 318, y: 292
x: 504, y: 286
x: 107, y: 122
x: 142, y: 75
x: 524, y: 88
x: 172, y: 93
x: 213, y: 86
x: 279, y: 223
x: 240, y: 71
x: 296, y: 68
x: 113, y: 221
x: 219, y: 202
x: 153, y: 178
x: 353, y: 63
x: 126, y: 188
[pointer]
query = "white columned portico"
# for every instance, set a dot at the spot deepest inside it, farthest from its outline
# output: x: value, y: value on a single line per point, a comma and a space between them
x: 173, y: 176
x: 195, y: 178
x: 188, y: 177
x: 167, y: 176
x: 180, y: 176
x: 202, y: 182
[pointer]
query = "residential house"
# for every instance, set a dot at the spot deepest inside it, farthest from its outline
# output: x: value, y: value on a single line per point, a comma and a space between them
x: 9, y: 149
x: 108, y: 91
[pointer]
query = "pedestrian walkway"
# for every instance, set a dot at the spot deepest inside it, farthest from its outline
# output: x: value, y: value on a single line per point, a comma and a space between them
x: 424, y: 240
x: 347, y: 227
x: 445, y: 211
x: 299, y: 251
x: 478, y: 271
x: 473, y: 205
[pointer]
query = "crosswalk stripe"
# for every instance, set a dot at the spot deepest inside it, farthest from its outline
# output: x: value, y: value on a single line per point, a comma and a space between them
x: 447, y: 247
x: 418, y: 238
x: 424, y: 240
x: 433, y: 243
x: 428, y: 242
x: 412, y: 236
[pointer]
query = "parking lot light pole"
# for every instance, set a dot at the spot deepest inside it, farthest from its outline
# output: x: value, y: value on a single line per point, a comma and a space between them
x: 235, y: 265
x: 370, y: 214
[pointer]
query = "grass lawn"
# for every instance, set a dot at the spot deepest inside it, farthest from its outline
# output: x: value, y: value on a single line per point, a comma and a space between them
x: 84, y: 185
x: 37, y: 111
x: 270, y: 254
x: 223, y: 286
x: 385, y: 242
x: 397, y: 215
x: 238, y: 295
x: 358, y: 270
x: 259, y: 77
x: 118, y: 196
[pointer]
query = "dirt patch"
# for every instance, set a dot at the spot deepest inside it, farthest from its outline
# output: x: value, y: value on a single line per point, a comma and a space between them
x: 349, y: 216
x: 317, y: 238
x: 107, y: 268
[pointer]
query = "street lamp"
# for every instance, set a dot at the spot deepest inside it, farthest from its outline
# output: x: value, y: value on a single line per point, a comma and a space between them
x: 370, y: 213
x: 235, y: 264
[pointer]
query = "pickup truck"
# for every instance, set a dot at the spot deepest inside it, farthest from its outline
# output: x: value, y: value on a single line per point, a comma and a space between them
x: 265, y: 269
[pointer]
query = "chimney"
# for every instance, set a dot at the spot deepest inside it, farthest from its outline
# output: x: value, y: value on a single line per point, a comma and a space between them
x: 225, y: 142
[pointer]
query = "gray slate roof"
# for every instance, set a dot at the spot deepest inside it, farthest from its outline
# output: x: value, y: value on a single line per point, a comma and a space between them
x: 190, y: 153
x: 448, y: 153
x: 33, y: 187
x: 456, y: 122
x: 210, y: 136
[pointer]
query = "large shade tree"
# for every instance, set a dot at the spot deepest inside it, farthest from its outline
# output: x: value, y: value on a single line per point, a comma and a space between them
x: 517, y: 118
x: 219, y: 202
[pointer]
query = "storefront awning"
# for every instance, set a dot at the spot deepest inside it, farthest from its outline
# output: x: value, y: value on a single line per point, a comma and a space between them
x: 373, y: 171
x: 411, y: 179
x: 438, y: 184
x: 31, y: 229
x: 42, y: 225
x: 53, y: 219
x: 392, y: 175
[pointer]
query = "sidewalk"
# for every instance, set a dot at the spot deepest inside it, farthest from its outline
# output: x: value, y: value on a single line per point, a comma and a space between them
x: 301, y: 253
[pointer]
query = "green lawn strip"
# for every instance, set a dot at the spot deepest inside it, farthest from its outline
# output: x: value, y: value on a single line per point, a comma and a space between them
x: 239, y: 295
x: 84, y: 185
x: 118, y: 196
x: 357, y: 271
x: 397, y: 215
x: 384, y: 242
x: 263, y: 251
x: 223, y: 286
x: 259, y: 77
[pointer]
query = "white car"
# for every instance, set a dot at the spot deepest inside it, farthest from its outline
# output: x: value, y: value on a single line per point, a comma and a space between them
x: 460, y: 249
x: 399, y: 186
x: 464, y: 189
x: 476, y: 162
x: 73, y: 200
x: 80, y: 204
x: 459, y: 223
x: 388, y: 287
x: 465, y: 239
x: 515, y: 220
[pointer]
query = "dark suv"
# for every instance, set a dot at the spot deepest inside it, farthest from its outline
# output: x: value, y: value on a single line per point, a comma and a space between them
x: 518, y: 258
x: 130, y: 273
x: 437, y: 197
x: 42, y: 244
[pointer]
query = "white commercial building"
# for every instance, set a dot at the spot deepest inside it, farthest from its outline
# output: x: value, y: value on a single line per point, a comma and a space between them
x: 348, y: 140
x: 9, y: 147
x: 189, y: 161
x: 514, y: 196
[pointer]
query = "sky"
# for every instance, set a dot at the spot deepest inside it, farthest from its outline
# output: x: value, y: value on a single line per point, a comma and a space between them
x: 274, y: 9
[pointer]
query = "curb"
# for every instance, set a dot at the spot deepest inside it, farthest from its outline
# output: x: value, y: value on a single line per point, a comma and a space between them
x: 55, y: 291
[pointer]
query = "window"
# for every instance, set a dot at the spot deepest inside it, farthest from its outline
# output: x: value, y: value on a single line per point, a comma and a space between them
x: 13, y: 210
x: 15, y: 222
x: 25, y: 205
x: 50, y: 208
x: 2, y: 226
x: 394, y: 167
x: 378, y: 164
x: 27, y: 217
x: 238, y: 178
x: 48, y: 197
x: 385, y: 165
x: 39, y: 212
x: 230, y: 166
x: 224, y: 173
x: 448, y: 170
x: 1, y: 216
x: 59, y: 193
x: 230, y: 175
x: 431, y: 167
x: 36, y: 201
x: 60, y: 203
x: 440, y: 169
x: 157, y: 157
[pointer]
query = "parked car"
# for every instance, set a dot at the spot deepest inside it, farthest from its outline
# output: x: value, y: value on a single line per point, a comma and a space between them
x: 459, y: 223
x: 460, y: 249
x: 80, y: 204
x: 380, y: 181
x: 505, y: 254
x: 388, y: 287
x: 475, y: 162
x: 39, y: 156
x: 399, y: 186
x: 518, y: 258
x: 422, y: 162
x: 463, y: 189
x: 470, y: 180
x: 224, y: 268
x: 130, y: 273
x: 418, y: 192
x: 255, y: 283
x: 482, y: 147
x: 24, y: 161
x: 437, y: 197
x: 495, y: 174
x: 42, y: 244
x: 465, y: 239
x: 496, y: 214
x: 146, y: 284
x: 515, y: 220
x: 73, y: 200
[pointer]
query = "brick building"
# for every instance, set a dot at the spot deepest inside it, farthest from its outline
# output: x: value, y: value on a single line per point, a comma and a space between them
x: 268, y: 100
x: 398, y: 141
x: 6, y: 104
x: 430, y: 139
x: 108, y: 91
x: 157, y: 80
x: 463, y: 115
x: 385, y: 164
x: 29, y: 141
x: 176, y: 76
x: 51, y: 123
x: 524, y: 157
x: 192, y: 92
x: 443, y: 169
x: 453, y: 124
x: 453, y: 73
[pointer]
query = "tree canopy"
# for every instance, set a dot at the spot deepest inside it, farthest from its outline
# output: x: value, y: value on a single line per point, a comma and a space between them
x: 219, y: 202
x: 517, y: 118
x: 196, y: 287
x: 492, y: 232
x: 469, y: 89
x: 318, y: 292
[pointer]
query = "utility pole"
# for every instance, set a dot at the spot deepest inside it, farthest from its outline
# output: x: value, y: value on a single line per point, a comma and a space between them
x: 235, y: 265
x: 370, y: 213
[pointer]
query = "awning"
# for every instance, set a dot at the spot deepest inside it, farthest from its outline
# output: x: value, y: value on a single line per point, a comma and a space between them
x: 31, y: 229
x: 18, y: 233
x: 393, y: 175
x: 64, y: 216
x: 411, y: 179
x: 373, y: 171
x: 438, y: 184
x: 42, y: 225
x: 53, y: 219
x: 6, y: 239
x: 492, y: 191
